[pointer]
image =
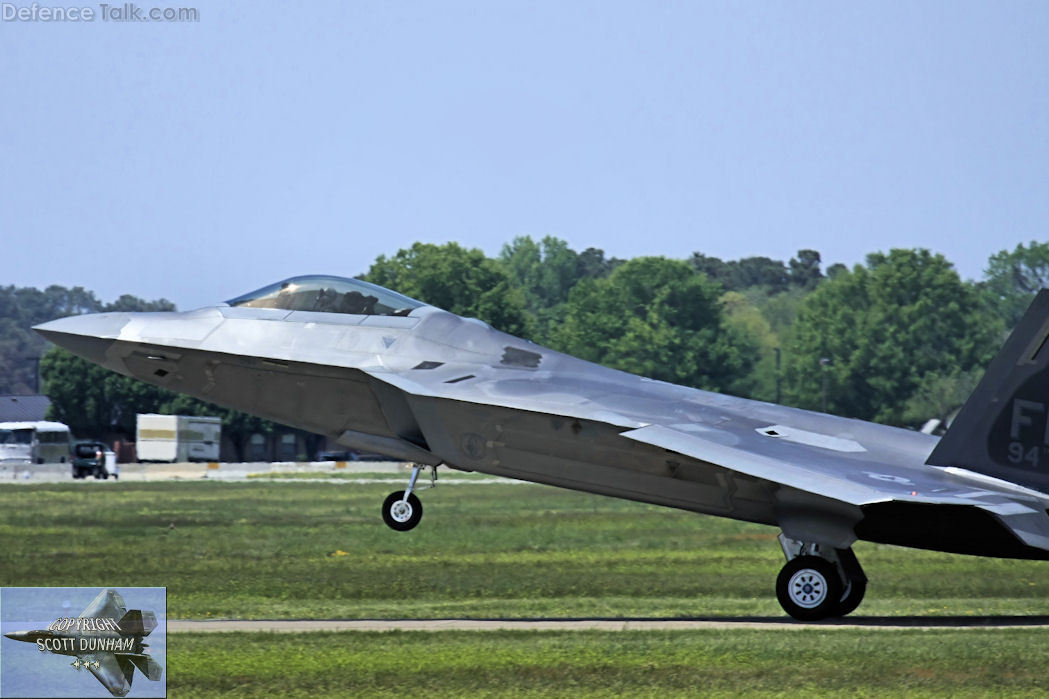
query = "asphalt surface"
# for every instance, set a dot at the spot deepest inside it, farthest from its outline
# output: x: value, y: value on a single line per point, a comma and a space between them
x: 389, y: 471
x: 638, y: 624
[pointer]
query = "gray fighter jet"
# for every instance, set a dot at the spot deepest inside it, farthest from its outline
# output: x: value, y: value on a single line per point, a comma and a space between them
x: 377, y: 371
x: 106, y: 639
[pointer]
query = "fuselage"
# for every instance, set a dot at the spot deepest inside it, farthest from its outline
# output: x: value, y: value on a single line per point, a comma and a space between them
x: 470, y: 396
x: 424, y: 385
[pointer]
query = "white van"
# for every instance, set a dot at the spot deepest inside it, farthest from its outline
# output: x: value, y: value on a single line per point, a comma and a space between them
x: 40, y: 442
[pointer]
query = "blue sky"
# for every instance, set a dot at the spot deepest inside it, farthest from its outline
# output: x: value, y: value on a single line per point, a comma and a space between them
x: 197, y: 161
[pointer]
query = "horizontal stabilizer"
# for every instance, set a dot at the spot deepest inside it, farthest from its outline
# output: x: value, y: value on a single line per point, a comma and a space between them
x: 147, y: 665
x: 138, y: 623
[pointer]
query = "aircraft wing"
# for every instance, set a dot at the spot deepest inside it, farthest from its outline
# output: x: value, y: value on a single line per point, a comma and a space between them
x: 108, y: 604
x: 114, y: 673
x: 821, y: 470
x: 840, y: 470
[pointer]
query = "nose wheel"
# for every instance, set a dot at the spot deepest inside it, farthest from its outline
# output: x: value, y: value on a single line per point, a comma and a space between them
x: 402, y: 510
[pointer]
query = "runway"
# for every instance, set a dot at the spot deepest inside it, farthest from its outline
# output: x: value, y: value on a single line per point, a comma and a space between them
x: 340, y: 472
x: 602, y: 624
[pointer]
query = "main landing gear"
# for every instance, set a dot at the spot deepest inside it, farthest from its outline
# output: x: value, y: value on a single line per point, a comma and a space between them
x: 817, y: 582
x: 402, y: 510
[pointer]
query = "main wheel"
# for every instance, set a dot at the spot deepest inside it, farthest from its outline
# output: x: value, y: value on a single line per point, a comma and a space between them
x: 809, y: 589
x: 399, y: 514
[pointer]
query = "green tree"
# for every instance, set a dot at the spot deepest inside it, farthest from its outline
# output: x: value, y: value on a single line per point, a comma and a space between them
x: 22, y: 308
x: 714, y: 269
x: 1013, y: 278
x: 738, y: 275
x: 884, y: 327
x: 461, y: 281
x: 658, y: 318
x: 544, y: 271
x: 745, y: 319
x: 805, y: 269
x: 594, y: 264
x: 760, y: 271
x: 939, y: 395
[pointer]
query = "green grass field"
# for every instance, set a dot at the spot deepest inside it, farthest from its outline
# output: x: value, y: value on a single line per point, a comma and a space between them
x: 640, y: 663
x: 260, y: 549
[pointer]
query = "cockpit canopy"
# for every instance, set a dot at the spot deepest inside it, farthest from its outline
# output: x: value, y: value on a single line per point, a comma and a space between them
x: 323, y: 294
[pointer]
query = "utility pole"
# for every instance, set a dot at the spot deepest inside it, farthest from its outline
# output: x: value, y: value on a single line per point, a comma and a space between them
x: 36, y: 372
x: 779, y: 393
x: 824, y: 362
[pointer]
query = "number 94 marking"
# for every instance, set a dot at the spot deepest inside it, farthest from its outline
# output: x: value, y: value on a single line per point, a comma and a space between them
x: 1019, y: 455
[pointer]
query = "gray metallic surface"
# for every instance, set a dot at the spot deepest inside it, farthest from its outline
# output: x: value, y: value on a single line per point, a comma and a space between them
x: 436, y: 388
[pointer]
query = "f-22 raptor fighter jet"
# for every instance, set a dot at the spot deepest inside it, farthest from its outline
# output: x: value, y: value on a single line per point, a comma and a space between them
x: 377, y: 371
x: 106, y: 639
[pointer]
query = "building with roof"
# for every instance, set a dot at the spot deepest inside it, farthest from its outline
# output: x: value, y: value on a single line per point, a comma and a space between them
x: 23, y: 408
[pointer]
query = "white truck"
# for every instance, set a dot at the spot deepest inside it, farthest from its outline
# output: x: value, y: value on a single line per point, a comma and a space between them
x: 178, y: 438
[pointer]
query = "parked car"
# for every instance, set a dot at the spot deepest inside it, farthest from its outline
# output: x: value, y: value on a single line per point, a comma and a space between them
x: 94, y: 459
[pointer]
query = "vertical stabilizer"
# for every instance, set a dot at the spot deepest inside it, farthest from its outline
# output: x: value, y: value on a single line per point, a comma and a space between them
x: 1003, y: 429
x: 138, y: 623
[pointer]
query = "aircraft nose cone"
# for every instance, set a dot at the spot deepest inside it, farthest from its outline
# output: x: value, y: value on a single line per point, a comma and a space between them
x: 19, y: 635
x: 88, y: 335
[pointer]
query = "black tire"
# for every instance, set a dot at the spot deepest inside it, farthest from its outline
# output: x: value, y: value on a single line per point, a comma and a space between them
x: 399, y: 518
x: 852, y: 597
x: 856, y: 587
x: 809, y: 588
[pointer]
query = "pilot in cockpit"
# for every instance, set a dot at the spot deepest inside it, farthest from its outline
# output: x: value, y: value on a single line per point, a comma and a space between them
x: 356, y: 303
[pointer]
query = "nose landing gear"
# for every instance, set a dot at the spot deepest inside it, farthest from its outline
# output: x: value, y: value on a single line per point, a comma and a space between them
x: 402, y: 509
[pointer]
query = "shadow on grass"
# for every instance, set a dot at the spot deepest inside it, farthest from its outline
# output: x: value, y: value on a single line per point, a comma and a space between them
x: 895, y: 621
x: 652, y: 623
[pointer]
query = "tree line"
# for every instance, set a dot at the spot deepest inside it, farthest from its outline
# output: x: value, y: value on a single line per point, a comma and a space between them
x: 897, y: 339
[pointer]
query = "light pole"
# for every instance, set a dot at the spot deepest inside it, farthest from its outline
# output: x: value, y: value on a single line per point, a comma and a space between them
x: 779, y: 393
x: 824, y: 363
x: 36, y: 372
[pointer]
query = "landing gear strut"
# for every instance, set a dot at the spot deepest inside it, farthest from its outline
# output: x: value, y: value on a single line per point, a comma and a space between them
x: 402, y: 509
x: 819, y: 583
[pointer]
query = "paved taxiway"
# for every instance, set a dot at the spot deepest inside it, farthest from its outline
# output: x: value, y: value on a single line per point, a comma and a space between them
x: 305, y: 625
x: 393, y: 472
